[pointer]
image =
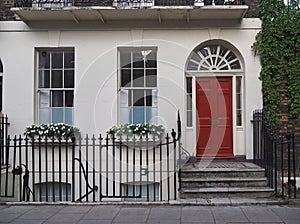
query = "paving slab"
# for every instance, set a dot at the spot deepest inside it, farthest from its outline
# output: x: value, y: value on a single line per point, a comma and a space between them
x: 75, y: 209
x: 197, y: 214
x: 228, y: 214
x: 287, y: 213
x: 65, y: 218
x: 132, y: 215
x: 8, y: 217
x: 165, y: 213
x: 261, y: 214
x: 17, y: 209
x: 41, y: 212
x: 102, y: 213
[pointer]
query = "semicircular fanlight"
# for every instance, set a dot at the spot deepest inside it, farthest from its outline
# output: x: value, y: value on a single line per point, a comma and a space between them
x: 213, y: 58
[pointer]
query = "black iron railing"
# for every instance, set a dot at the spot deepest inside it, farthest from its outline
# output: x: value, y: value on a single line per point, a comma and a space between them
x: 94, y: 168
x: 5, y: 178
x: 277, y: 153
x: 121, y: 3
x: 3, y: 136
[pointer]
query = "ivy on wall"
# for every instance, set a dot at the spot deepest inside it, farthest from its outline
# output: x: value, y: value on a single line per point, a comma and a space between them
x: 278, y: 45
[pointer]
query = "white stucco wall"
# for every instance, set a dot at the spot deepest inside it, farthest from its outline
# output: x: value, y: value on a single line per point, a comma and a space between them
x: 96, y: 101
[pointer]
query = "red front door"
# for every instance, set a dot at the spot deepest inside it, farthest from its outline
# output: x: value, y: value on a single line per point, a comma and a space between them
x: 214, y: 124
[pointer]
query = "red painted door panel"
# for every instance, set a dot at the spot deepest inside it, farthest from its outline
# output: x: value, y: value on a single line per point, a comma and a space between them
x: 214, y: 124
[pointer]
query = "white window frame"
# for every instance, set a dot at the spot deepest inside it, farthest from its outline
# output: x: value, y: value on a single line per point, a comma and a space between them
x: 50, y: 90
x: 126, y: 99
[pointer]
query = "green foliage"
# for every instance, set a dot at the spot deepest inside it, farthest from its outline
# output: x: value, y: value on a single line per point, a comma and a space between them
x: 278, y: 45
x: 51, y: 130
x: 137, y: 129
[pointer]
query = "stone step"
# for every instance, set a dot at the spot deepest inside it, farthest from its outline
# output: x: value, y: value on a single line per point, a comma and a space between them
x: 224, y: 182
x: 220, y: 173
x: 225, y: 192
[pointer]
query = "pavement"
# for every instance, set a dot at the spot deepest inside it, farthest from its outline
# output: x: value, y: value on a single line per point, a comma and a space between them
x: 142, y: 213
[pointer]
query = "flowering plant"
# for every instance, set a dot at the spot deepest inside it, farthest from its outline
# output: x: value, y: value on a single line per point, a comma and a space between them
x: 50, y: 130
x: 137, y: 129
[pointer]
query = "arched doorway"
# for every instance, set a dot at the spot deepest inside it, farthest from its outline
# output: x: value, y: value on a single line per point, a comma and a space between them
x: 214, y: 77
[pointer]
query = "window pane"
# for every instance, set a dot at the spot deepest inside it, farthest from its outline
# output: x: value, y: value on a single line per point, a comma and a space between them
x: 154, y: 98
x: 130, y: 93
x: 69, y: 98
x: 189, y: 84
x: 130, y: 115
x: 69, y: 59
x: 69, y: 79
x: 151, y: 78
x: 125, y: 78
x: 44, y: 79
x: 69, y: 116
x: 196, y: 57
x: 230, y: 56
x: 44, y: 59
x: 151, y: 114
x: 138, y: 98
x: 192, y: 66
x: 238, y: 101
x: 189, y: 102
x: 213, y: 49
x: 138, y: 78
x: 151, y: 61
x: 223, y: 51
x: 238, y: 84
x: 57, y: 98
x: 57, y: 59
x: 125, y: 59
x: 138, y: 115
x: 149, y: 97
x: 238, y: 118
x: 44, y: 99
x: 138, y: 61
x: 45, y: 116
x: 56, y: 79
x: 235, y: 65
x: 124, y: 115
x: 57, y: 115
x: 189, y: 119
x: 204, y: 51
x: 124, y: 98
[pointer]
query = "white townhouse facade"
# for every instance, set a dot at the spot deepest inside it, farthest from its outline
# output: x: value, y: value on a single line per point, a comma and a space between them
x: 109, y: 63
x: 99, y: 67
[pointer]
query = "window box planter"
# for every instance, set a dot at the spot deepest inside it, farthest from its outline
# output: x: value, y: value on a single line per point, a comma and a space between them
x: 51, y: 143
x: 137, y: 142
x: 137, y: 135
x: 51, y: 134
